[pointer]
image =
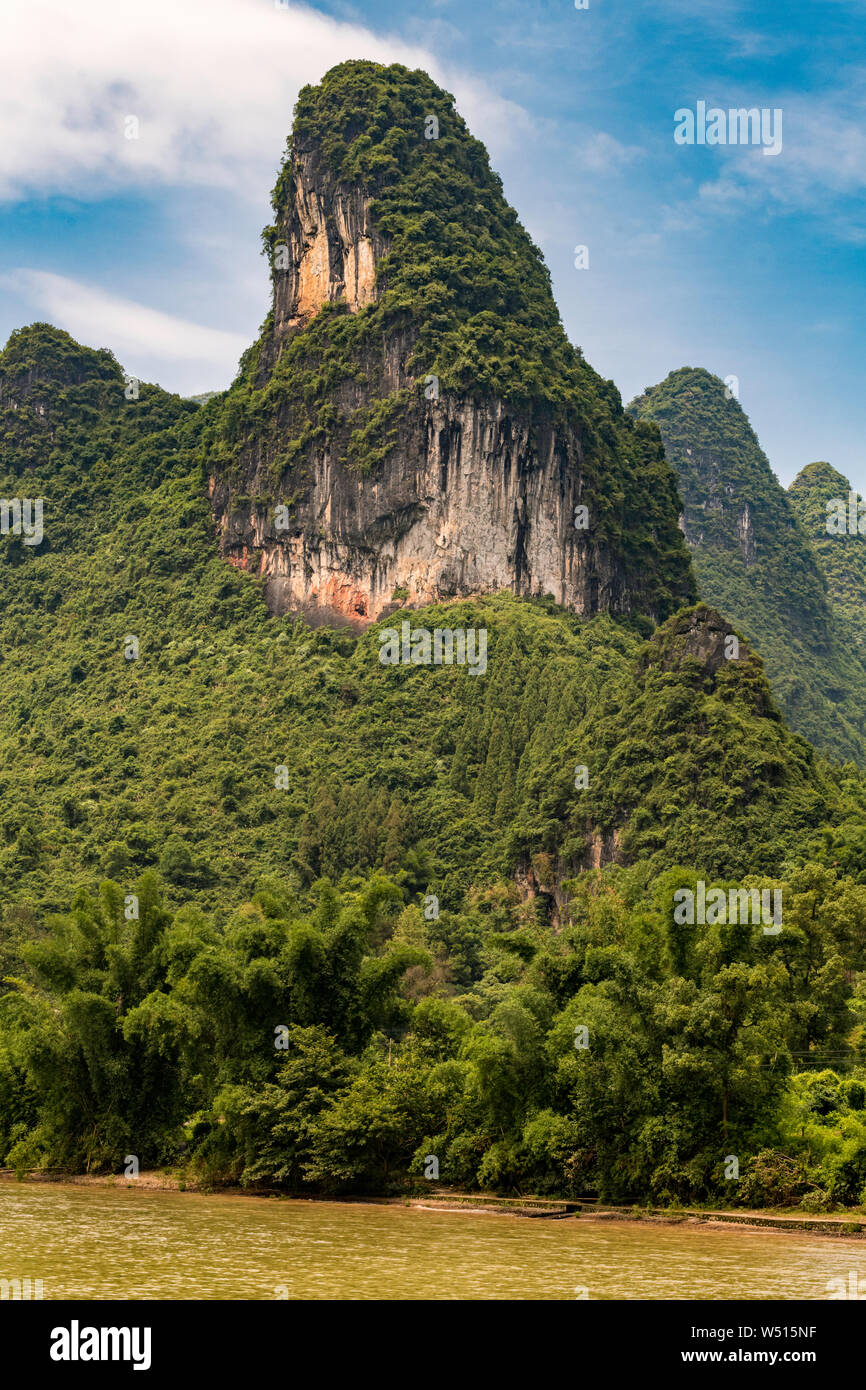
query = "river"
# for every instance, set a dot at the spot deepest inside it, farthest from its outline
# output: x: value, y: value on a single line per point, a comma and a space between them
x: 118, y: 1242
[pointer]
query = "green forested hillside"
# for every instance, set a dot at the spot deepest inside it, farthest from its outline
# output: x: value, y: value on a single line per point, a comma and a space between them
x: 169, y: 760
x: 756, y: 561
x: 306, y: 915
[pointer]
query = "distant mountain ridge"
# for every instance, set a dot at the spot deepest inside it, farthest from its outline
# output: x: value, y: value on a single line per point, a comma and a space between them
x: 758, y: 561
x: 842, y: 556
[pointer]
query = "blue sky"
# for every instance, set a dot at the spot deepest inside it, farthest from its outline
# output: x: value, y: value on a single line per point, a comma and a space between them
x: 713, y: 256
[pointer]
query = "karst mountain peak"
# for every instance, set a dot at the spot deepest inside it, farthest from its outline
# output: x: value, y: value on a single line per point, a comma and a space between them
x: 413, y: 423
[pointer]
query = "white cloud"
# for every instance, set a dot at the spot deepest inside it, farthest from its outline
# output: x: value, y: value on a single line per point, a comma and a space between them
x: 596, y: 152
x: 139, y: 336
x: 212, y: 83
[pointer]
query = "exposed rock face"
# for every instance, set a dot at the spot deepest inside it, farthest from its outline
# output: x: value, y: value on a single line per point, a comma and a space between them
x: 330, y: 243
x: 473, y: 500
x: 701, y: 635
x: 468, y: 493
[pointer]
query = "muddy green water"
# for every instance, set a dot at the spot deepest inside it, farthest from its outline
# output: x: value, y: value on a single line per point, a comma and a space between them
x: 93, y: 1243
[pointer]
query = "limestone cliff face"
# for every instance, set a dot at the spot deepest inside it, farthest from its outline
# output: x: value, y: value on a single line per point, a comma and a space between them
x: 473, y: 499
x: 327, y: 244
x: 468, y: 492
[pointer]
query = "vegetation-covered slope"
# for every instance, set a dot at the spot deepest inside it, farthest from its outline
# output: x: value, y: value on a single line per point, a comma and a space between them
x: 755, y: 561
x: 168, y: 759
x: 841, y: 553
x: 410, y: 1027
x: 116, y: 763
x: 689, y: 762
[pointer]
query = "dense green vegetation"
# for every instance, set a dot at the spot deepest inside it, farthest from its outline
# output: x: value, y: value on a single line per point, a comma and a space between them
x: 168, y: 761
x: 274, y: 912
x: 324, y: 1046
x: 461, y: 269
x: 305, y: 915
x: 756, y: 561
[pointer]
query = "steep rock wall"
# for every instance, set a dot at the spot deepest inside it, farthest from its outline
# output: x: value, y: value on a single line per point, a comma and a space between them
x: 331, y: 246
x: 473, y: 499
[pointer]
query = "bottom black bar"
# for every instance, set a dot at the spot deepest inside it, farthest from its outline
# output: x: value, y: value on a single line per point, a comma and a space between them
x: 63, y: 1339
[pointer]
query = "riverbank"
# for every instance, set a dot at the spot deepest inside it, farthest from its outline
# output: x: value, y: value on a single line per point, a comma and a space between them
x: 99, y: 1241
x: 851, y: 1225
